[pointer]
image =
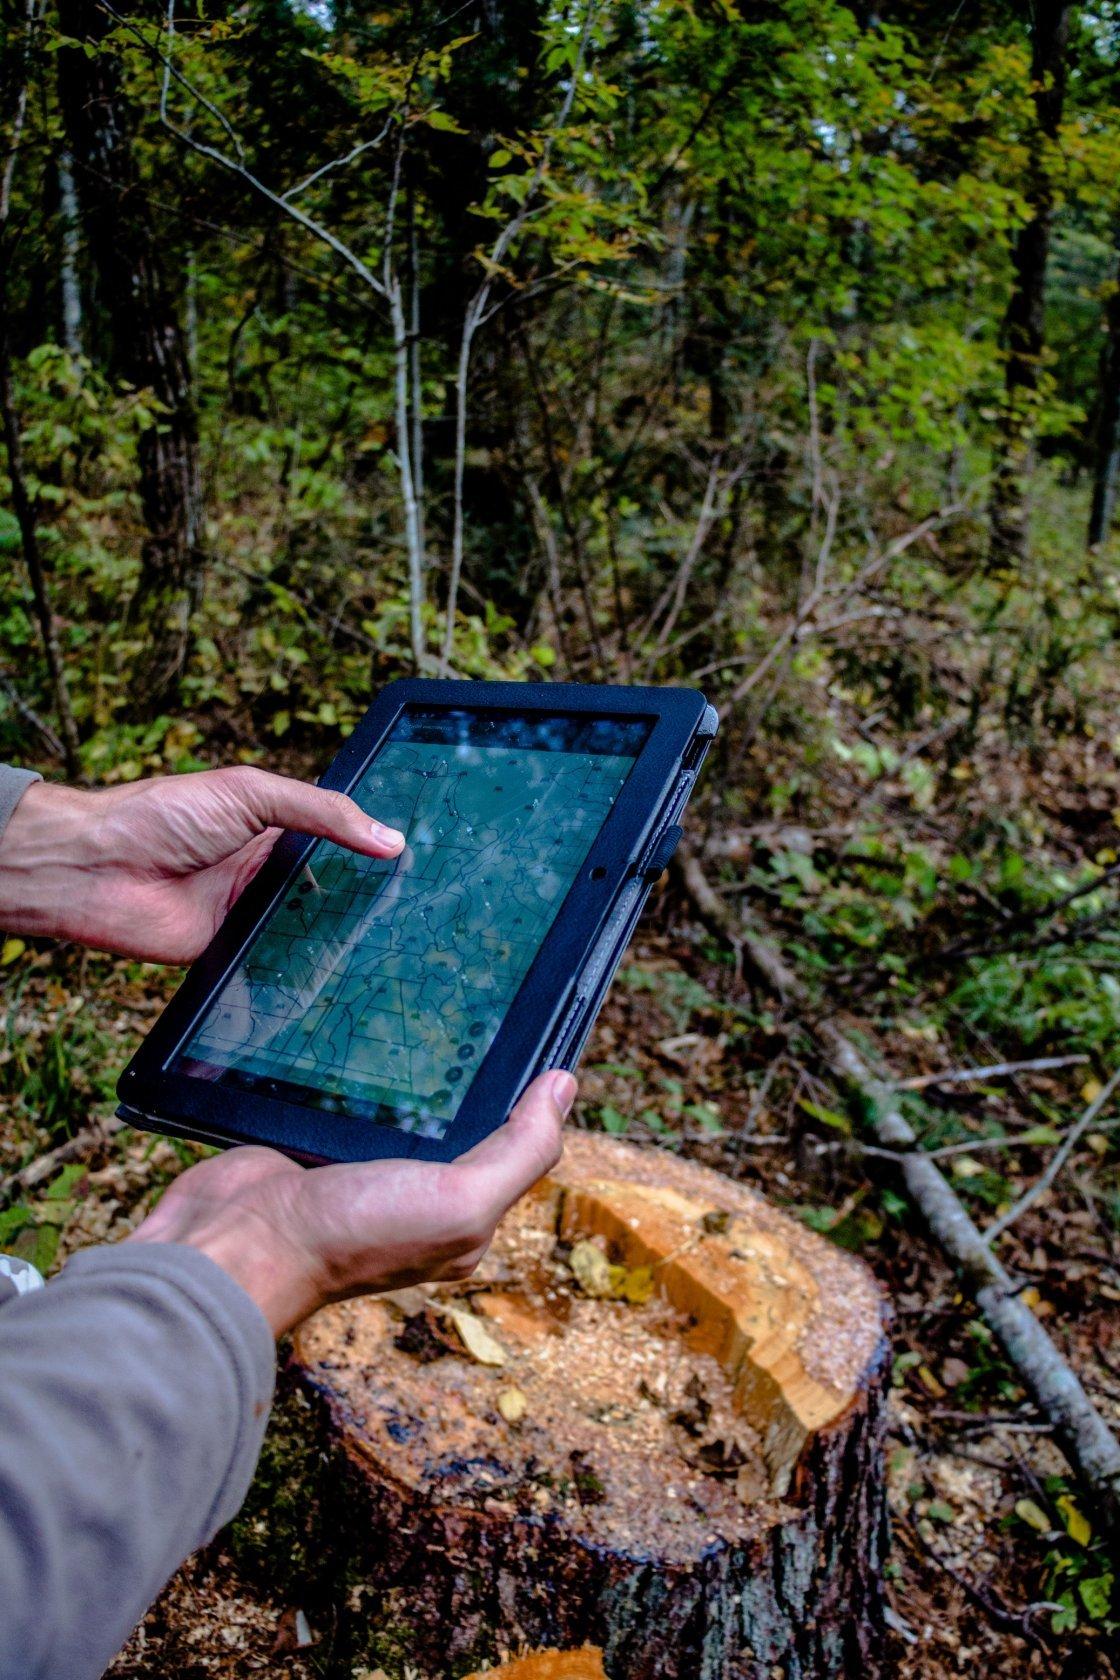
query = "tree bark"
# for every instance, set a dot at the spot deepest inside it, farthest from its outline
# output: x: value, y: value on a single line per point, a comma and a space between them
x: 148, y: 346
x: 68, y: 267
x: 1106, y: 455
x: 33, y: 558
x: 477, y: 1535
x: 1024, y: 328
x: 9, y: 419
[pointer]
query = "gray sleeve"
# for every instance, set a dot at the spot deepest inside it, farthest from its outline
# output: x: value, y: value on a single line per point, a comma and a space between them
x: 13, y: 785
x: 134, y: 1393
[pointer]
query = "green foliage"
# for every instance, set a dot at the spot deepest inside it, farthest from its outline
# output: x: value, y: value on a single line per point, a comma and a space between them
x: 1079, y: 1571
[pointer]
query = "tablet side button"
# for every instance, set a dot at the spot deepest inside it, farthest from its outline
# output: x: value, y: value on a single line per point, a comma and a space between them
x: 658, y: 859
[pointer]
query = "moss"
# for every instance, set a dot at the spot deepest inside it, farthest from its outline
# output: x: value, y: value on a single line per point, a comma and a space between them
x: 279, y: 1535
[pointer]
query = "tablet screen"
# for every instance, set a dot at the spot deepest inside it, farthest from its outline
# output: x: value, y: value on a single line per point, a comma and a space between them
x: 376, y: 986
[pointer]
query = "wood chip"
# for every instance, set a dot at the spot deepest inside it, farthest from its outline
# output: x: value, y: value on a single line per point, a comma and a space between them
x: 512, y: 1404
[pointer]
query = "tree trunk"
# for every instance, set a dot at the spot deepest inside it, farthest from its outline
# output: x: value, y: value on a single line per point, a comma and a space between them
x: 1024, y: 323
x: 148, y: 347
x: 675, y: 1462
x: 1106, y: 455
x: 71, y: 246
x: 32, y: 555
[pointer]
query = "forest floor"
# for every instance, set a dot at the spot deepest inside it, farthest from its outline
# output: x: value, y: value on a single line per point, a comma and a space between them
x: 985, y: 1521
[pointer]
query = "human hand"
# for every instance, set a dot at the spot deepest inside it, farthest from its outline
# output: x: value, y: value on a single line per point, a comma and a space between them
x: 297, y: 1237
x: 150, y: 869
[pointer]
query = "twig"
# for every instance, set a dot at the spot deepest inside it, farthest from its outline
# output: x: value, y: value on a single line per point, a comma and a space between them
x: 990, y: 1420
x: 31, y: 716
x: 476, y: 314
x: 45, y: 1166
x: 1061, y: 1397
x: 1057, y: 1161
x: 988, y: 1600
x: 996, y: 1070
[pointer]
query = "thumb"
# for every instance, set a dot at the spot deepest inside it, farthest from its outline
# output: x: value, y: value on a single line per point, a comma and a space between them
x: 511, y: 1160
x: 283, y: 802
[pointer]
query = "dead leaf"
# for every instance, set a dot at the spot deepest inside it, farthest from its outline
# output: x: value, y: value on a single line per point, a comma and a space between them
x: 407, y: 1301
x: 293, y: 1634
x: 592, y: 1270
x: 930, y: 1383
x: 1076, y: 1523
x: 635, y: 1284
x: 512, y: 1404
x: 716, y: 1222
x: 693, y: 1416
x: 424, y: 1338
x: 751, y: 1484
x: 1033, y: 1515
x: 475, y: 1337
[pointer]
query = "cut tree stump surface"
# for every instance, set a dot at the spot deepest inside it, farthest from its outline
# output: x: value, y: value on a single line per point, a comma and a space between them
x: 549, y: 1665
x: 651, y: 1418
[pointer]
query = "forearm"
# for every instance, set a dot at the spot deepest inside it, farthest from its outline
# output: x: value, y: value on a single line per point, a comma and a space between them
x: 134, y: 1393
x: 47, y: 850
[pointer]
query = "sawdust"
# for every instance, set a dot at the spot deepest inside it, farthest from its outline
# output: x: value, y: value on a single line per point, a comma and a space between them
x: 621, y: 1429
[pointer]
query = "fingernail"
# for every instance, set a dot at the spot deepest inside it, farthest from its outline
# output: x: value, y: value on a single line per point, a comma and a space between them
x: 388, y: 836
x: 564, y: 1089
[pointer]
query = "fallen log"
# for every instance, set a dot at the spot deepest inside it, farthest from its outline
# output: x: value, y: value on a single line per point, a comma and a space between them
x: 1085, y: 1438
x: 648, y: 1433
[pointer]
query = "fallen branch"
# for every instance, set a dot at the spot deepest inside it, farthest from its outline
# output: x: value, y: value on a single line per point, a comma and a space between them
x: 1083, y: 1434
x: 1057, y: 1161
x: 994, y: 1070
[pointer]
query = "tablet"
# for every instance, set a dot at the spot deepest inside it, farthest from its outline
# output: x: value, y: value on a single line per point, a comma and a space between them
x: 353, y: 1007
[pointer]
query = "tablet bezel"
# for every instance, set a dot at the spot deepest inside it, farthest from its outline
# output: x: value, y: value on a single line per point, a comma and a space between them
x: 156, y: 1095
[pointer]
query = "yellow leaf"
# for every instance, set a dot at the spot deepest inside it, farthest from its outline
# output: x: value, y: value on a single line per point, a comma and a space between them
x: 592, y: 1270
x: 512, y: 1404
x: 12, y: 949
x: 1091, y: 1090
x: 635, y: 1285
x: 1098, y: 1143
x: 930, y: 1382
x: 1077, y: 1525
x: 1027, y: 1511
x: 475, y: 1337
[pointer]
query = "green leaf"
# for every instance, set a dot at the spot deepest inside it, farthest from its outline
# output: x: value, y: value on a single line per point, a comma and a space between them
x: 13, y: 1220
x: 1096, y: 1596
x: 827, y: 1116
x: 62, y: 1186
x: 892, y: 1204
x: 9, y: 532
x: 39, y: 1245
x: 1040, y: 1135
x: 611, y: 1120
x: 499, y: 158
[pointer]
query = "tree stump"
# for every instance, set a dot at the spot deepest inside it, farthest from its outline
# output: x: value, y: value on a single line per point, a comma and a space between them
x: 650, y: 1425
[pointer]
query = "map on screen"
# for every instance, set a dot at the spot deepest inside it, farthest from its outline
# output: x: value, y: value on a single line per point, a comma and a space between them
x: 376, y: 987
